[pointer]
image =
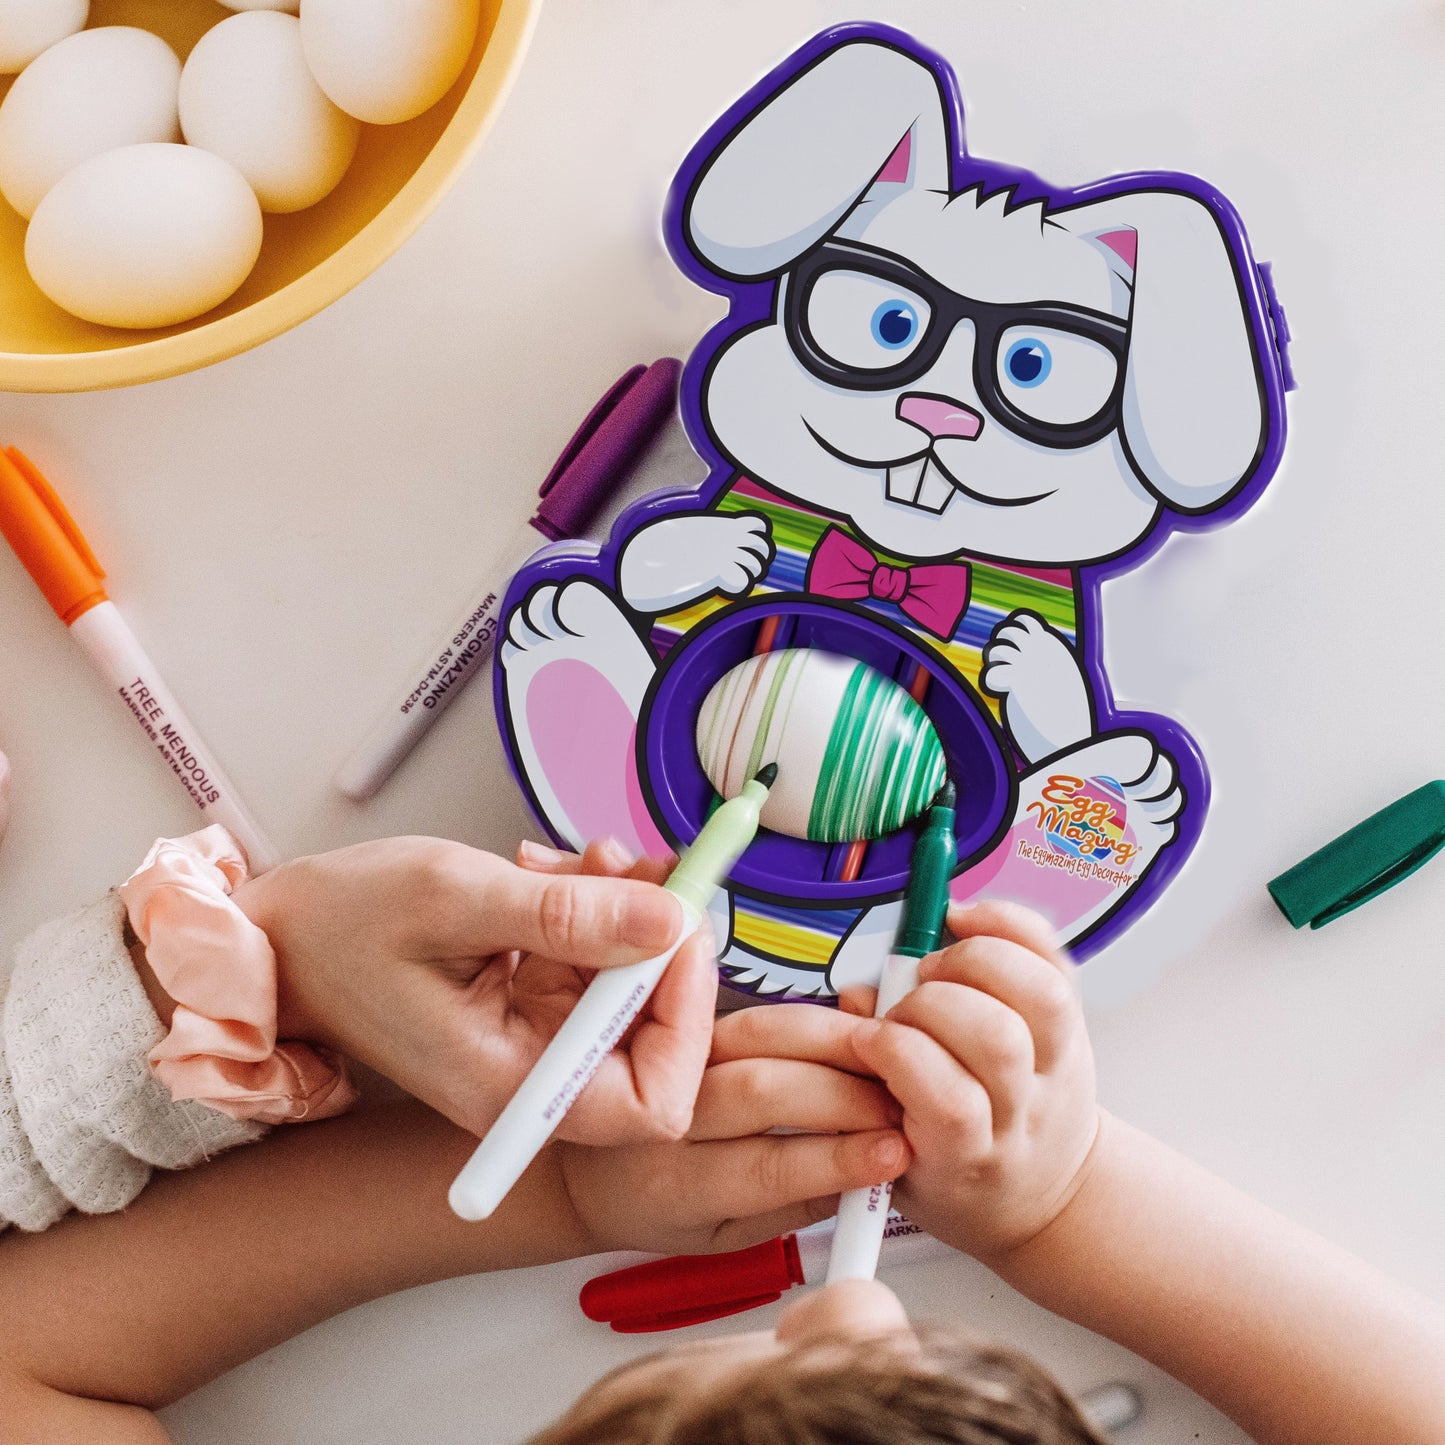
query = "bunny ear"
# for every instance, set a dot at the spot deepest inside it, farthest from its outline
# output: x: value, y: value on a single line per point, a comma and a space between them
x: 1194, y: 419
x: 862, y: 125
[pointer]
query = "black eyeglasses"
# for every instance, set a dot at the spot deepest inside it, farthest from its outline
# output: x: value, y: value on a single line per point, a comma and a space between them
x: 868, y: 320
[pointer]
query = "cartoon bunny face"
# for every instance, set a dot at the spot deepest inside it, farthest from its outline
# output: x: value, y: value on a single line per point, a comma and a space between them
x: 911, y: 382
x: 951, y: 371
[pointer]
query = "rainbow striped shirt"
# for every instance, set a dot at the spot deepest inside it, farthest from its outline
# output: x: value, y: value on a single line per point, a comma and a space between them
x: 807, y: 937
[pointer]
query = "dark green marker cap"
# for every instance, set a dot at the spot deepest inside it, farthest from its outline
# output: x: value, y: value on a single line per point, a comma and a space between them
x: 1371, y: 857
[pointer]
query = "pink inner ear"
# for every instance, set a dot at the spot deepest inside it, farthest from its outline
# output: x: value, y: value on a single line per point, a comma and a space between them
x: 1124, y: 244
x: 896, y: 167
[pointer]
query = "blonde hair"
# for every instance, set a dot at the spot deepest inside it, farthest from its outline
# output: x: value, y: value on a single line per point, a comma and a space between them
x: 945, y: 1389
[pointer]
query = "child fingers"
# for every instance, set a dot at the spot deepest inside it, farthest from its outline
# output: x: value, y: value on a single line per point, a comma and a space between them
x: 787, y: 1031
x: 858, y: 1000
x: 1018, y: 977
x: 936, y: 1091
x: 744, y: 1178
x: 989, y: 1039
x: 751, y: 1096
x: 996, y: 918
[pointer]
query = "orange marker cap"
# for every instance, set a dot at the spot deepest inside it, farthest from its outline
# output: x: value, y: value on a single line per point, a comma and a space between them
x: 46, y: 540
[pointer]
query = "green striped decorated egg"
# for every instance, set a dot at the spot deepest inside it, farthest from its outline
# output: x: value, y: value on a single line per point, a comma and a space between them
x: 857, y: 757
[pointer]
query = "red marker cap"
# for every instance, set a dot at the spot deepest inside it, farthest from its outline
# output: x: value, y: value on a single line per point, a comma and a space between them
x: 691, y: 1289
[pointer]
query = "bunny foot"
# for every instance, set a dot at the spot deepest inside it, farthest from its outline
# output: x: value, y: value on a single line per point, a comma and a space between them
x: 1088, y: 827
x: 571, y: 652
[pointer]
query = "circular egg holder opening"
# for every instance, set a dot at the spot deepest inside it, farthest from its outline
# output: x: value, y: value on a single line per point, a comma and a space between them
x: 792, y: 869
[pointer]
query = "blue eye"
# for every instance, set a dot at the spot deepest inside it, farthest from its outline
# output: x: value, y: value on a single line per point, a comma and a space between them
x: 1028, y: 362
x: 895, y: 324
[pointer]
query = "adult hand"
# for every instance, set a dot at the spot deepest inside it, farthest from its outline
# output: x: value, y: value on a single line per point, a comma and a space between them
x: 449, y: 970
x: 731, y: 1182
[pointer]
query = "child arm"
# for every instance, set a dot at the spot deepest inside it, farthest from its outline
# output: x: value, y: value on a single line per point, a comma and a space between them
x: 1294, y: 1339
x: 104, y: 1319
x: 108, y: 1317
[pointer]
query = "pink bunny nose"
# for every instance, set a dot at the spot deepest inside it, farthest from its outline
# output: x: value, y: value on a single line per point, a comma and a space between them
x: 939, y: 416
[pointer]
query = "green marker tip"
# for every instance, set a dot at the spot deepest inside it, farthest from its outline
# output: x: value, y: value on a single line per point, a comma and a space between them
x: 947, y: 795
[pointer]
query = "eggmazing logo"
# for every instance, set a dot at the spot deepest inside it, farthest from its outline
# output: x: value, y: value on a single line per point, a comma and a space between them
x: 1085, y: 818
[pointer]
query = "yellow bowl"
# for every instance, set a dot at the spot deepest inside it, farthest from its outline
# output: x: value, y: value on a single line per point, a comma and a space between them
x: 308, y: 259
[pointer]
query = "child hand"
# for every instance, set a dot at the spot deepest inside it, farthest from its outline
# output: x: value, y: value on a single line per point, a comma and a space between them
x: 991, y: 1062
x: 449, y: 971
x: 730, y: 1183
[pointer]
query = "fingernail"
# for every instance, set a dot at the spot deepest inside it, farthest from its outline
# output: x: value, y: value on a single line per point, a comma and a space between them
x: 890, y: 1154
x: 539, y: 855
x: 616, y: 855
x: 651, y: 919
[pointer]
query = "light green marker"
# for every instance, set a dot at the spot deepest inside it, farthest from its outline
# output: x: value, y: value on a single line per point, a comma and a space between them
x: 602, y: 1015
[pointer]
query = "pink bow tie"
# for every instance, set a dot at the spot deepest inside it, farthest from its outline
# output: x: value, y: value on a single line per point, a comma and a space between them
x: 934, y: 595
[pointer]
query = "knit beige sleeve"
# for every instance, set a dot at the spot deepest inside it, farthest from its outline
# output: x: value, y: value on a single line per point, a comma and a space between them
x: 82, y: 1120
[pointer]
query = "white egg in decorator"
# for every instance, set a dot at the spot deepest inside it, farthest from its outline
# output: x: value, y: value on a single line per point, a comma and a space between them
x: 96, y: 91
x: 145, y: 236
x: 292, y: 6
x: 385, y: 61
x: 28, y: 27
x: 248, y: 96
x: 857, y: 756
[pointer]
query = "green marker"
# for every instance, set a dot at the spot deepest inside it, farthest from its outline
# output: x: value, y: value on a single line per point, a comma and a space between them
x: 935, y: 856
x: 863, y: 1213
x: 602, y: 1015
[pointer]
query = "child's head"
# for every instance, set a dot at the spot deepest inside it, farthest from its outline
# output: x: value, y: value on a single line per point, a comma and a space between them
x: 844, y: 1367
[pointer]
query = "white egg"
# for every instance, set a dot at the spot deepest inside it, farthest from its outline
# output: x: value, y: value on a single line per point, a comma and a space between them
x: 97, y: 90
x: 247, y: 95
x: 29, y: 26
x: 857, y: 756
x: 147, y: 235
x: 292, y: 5
x: 385, y: 61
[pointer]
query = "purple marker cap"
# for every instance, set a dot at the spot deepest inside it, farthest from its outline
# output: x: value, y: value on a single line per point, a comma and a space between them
x: 605, y: 448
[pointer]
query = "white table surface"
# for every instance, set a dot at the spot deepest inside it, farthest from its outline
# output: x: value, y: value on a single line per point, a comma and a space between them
x: 287, y: 529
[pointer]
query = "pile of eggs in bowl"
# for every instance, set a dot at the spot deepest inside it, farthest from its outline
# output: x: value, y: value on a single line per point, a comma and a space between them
x: 144, y: 181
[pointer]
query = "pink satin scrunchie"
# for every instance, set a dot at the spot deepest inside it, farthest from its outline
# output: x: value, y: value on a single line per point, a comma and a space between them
x: 221, y: 971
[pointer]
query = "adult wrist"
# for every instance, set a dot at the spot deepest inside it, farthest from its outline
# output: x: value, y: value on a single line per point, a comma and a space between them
x: 218, y: 967
x: 263, y: 901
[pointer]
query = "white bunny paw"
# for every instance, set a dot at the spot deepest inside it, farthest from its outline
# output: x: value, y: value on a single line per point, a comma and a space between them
x: 680, y: 560
x: 1033, y: 669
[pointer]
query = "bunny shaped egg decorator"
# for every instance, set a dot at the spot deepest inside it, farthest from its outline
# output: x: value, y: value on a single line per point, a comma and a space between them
x: 947, y: 402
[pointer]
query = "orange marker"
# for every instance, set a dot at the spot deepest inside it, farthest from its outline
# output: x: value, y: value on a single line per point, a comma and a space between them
x: 45, y: 538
